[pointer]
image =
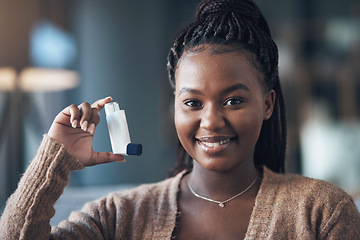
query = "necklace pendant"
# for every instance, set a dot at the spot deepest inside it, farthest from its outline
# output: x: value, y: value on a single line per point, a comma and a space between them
x: 221, y: 204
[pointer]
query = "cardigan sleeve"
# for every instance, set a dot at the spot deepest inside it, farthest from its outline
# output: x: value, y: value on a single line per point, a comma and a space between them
x: 29, y: 209
x: 344, y: 223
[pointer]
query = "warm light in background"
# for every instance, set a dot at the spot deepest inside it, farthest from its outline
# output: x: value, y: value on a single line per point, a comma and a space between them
x: 33, y: 79
x: 7, y: 79
x: 47, y: 80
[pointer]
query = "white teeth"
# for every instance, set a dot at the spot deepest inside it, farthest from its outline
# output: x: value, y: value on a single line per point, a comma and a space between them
x: 215, y: 144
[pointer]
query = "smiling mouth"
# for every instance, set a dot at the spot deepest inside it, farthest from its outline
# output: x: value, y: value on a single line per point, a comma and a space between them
x: 215, y: 144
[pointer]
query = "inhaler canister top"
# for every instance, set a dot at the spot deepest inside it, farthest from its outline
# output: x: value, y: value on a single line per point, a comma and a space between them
x: 119, y: 132
x: 111, y: 108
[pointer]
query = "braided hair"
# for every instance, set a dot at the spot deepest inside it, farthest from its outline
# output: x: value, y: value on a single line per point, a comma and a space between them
x: 237, y: 25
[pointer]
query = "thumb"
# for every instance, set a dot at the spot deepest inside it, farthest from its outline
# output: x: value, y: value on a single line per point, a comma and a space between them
x: 104, y: 157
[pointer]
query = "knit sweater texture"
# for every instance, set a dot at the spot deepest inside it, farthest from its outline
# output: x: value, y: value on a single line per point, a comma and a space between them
x: 286, y: 207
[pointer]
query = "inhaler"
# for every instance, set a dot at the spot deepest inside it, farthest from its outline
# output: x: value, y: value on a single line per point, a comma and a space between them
x: 119, y: 132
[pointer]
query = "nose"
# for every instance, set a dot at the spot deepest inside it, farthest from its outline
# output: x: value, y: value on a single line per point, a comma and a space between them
x: 212, y: 118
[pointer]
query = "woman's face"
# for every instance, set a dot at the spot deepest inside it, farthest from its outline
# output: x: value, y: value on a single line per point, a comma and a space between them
x: 220, y: 106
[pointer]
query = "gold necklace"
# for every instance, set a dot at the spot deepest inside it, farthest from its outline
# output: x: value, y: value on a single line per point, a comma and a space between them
x: 221, y: 204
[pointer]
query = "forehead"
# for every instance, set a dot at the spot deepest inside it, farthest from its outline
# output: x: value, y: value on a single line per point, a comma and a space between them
x: 209, y: 67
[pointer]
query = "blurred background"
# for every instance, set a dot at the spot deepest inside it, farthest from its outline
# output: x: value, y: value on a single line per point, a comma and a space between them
x: 57, y: 52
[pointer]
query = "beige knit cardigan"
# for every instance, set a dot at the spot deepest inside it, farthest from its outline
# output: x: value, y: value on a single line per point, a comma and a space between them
x: 286, y: 207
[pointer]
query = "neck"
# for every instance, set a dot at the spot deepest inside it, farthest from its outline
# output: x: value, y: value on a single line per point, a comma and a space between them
x: 220, y: 185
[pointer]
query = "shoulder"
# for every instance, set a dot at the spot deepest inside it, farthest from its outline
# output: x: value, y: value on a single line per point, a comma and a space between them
x: 309, y: 206
x: 149, y: 209
x: 165, y: 188
x: 306, y: 197
x: 146, y: 196
x: 301, y: 187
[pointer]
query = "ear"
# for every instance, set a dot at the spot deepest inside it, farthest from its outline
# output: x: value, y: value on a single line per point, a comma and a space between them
x: 269, y: 98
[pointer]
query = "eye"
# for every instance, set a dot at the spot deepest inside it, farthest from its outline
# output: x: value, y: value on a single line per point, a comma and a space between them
x: 233, y: 101
x: 193, y: 103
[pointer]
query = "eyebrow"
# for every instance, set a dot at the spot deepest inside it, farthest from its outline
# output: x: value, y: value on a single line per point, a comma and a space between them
x: 226, y: 90
x: 236, y: 87
x: 190, y: 90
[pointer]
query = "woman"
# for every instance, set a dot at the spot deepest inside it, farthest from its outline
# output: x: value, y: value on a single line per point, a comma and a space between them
x: 228, y: 182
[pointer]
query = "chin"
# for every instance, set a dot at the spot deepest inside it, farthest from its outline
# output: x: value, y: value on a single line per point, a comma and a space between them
x: 215, y: 165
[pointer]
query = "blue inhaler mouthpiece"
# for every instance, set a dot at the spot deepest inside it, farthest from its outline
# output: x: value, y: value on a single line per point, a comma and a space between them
x: 134, y: 149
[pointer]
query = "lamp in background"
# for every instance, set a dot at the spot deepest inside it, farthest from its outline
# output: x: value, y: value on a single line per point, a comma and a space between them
x: 39, y: 88
x: 25, y: 110
x: 37, y: 58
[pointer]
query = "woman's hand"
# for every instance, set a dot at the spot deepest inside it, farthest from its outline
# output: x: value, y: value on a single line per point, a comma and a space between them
x: 75, y: 127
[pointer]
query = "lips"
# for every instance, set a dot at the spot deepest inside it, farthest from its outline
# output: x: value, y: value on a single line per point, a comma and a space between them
x: 214, y: 145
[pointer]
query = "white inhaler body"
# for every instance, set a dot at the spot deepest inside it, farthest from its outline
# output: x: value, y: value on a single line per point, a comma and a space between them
x: 119, y: 132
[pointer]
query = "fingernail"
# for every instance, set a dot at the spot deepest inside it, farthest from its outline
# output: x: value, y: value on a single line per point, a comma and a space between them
x: 109, y: 97
x: 84, y: 126
x: 91, y: 128
x: 74, y: 123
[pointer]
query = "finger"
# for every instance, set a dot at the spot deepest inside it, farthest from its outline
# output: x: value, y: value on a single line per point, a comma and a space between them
x: 94, y: 121
x: 105, y: 157
x: 99, y: 104
x: 91, y: 128
x: 86, y: 115
x: 74, y: 113
x: 95, y: 117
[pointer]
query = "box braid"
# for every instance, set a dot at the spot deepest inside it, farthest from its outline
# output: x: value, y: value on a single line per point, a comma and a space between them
x: 237, y: 25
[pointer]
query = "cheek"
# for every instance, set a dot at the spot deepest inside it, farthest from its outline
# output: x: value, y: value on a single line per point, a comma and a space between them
x: 186, y: 127
x: 248, y: 125
x: 181, y: 122
x: 177, y: 117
